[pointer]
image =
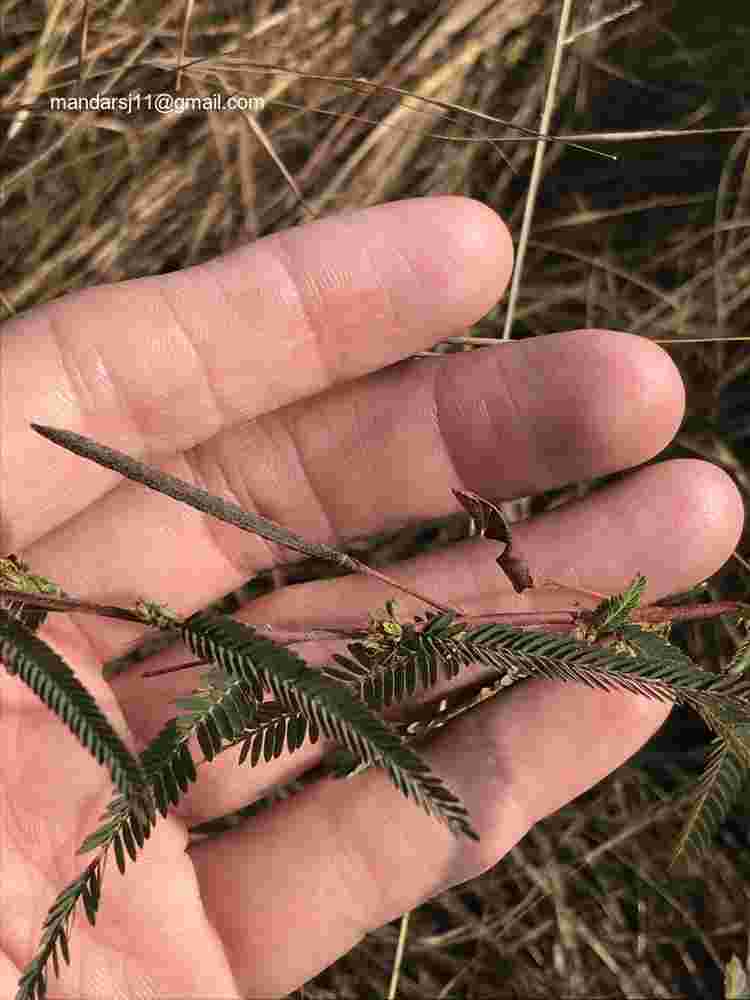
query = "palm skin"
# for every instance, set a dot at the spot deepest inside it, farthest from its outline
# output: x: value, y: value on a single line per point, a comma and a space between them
x: 268, y: 376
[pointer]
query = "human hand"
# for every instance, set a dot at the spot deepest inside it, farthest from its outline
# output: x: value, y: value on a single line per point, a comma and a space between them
x: 262, y: 375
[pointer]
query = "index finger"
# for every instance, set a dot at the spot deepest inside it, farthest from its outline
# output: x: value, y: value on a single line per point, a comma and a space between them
x: 160, y: 364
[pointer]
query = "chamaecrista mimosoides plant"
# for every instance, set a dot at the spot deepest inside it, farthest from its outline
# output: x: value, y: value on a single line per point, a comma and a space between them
x: 617, y: 644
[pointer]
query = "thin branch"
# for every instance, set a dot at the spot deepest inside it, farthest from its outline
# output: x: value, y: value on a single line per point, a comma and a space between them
x: 356, y: 83
x: 41, y: 602
x: 536, y: 171
x: 183, y: 43
x: 263, y: 138
x: 567, y: 617
x: 602, y: 21
x: 223, y: 510
x: 562, y: 621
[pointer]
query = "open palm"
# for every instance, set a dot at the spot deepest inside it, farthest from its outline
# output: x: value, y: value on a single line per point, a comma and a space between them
x: 268, y: 376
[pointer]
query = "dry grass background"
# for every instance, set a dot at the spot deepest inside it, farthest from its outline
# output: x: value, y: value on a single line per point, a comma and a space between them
x: 656, y: 243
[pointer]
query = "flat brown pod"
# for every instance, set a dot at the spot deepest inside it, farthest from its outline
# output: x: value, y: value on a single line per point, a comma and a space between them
x: 491, y: 523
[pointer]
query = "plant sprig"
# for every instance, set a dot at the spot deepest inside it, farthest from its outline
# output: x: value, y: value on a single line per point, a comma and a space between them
x: 616, y: 645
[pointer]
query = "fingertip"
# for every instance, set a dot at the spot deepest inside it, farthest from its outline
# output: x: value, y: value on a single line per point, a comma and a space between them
x: 644, y: 403
x: 712, y: 502
x: 658, y: 384
x: 470, y: 272
x: 482, y: 237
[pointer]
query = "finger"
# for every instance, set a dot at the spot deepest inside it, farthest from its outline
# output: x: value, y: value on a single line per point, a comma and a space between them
x: 371, y: 456
x: 676, y: 523
x: 160, y: 364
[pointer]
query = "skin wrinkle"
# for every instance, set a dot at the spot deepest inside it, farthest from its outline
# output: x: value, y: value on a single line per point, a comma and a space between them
x: 387, y: 296
x: 357, y: 861
x: 120, y: 402
x: 506, y: 777
x: 378, y: 904
x: 306, y: 440
x: 274, y: 472
x: 438, y: 377
x: 78, y: 384
x: 279, y: 248
x: 216, y: 529
x: 480, y: 406
x: 372, y: 427
x: 331, y: 530
x: 386, y: 290
x: 439, y: 391
x: 517, y: 418
x: 405, y: 396
x: 497, y: 783
x: 138, y: 417
x: 200, y: 365
x: 216, y: 275
x: 469, y: 566
x: 246, y: 498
